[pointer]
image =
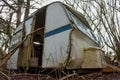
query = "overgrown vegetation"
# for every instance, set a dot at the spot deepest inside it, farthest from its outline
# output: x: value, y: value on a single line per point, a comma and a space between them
x: 12, y: 13
x: 103, y: 17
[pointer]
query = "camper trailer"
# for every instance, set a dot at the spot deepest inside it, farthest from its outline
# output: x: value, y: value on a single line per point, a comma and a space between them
x: 55, y: 36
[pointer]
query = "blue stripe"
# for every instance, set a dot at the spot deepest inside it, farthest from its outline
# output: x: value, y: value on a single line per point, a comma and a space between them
x: 59, y: 30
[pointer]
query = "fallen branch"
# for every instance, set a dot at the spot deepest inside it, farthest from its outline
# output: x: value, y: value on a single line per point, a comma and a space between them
x: 68, y: 76
x: 115, y: 68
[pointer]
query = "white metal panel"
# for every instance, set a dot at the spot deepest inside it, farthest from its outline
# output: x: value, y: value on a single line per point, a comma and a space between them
x: 55, y: 50
x: 12, y: 62
x: 55, y: 17
x: 79, y: 42
x: 93, y: 58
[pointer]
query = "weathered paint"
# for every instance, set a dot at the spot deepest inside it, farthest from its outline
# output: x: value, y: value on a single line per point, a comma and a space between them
x: 55, y: 17
x: 93, y: 58
x: 56, y: 49
x: 79, y: 42
x: 57, y: 32
x: 61, y: 40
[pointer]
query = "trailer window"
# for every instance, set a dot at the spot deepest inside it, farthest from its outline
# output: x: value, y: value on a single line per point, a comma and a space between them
x: 17, y: 37
x: 82, y: 27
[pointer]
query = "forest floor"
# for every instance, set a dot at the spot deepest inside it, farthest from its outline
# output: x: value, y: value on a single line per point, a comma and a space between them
x: 90, y: 76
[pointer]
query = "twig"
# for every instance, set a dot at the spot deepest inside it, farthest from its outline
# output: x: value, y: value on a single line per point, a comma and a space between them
x: 82, y: 77
x: 5, y: 75
x: 70, y: 75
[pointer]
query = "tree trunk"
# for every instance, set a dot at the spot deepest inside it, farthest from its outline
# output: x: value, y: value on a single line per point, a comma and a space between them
x: 27, y: 9
x: 20, y: 3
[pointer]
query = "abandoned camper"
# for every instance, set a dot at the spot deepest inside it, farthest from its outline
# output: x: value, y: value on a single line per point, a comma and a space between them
x: 55, y: 36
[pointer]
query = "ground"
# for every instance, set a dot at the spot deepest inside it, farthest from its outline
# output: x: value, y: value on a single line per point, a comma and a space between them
x: 91, y: 76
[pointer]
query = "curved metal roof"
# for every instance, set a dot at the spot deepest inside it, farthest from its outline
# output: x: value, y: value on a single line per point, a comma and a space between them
x: 76, y: 13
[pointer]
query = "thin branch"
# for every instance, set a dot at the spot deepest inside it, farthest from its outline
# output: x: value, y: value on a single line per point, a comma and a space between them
x: 5, y: 75
x: 114, y: 7
x: 9, y: 5
x: 1, y: 9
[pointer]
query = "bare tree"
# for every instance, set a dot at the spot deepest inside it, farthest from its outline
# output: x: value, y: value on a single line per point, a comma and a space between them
x: 10, y: 17
x: 103, y: 17
x: 12, y: 13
